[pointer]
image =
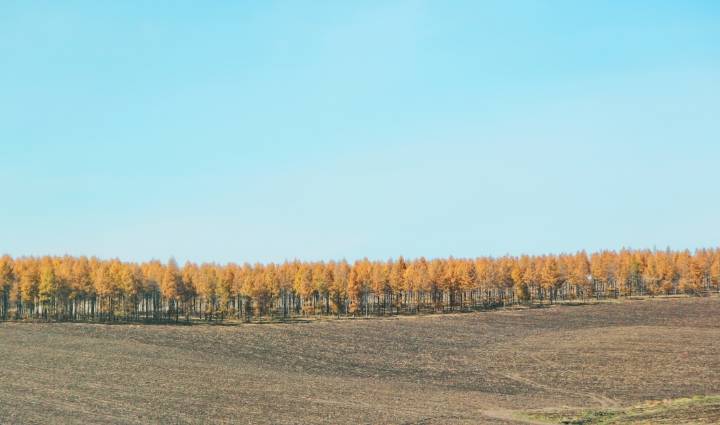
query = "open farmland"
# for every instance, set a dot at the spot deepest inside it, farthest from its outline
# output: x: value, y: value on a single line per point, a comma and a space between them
x: 497, y: 367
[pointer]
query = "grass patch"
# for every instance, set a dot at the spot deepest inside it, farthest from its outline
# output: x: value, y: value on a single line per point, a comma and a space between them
x: 693, y: 410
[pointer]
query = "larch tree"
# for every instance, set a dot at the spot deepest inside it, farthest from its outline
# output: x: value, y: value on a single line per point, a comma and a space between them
x: 189, y: 277
x: 531, y: 275
x: 303, y: 286
x: 339, y: 287
x: 579, y: 274
x: 438, y: 274
x: 380, y: 282
x: 29, y: 284
x: 550, y: 277
x: 715, y: 270
x: 48, y: 285
x: 668, y: 272
x: 652, y: 274
x: 397, y: 283
x: 206, y: 283
x: 227, y: 288
x: 130, y: 285
x: 691, y: 273
x: 7, y: 280
x: 518, y: 273
x: 358, y: 284
x: 171, y: 287
x: 321, y: 282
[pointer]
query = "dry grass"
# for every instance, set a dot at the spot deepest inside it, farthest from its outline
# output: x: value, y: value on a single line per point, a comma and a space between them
x: 697, y: 410
x: 455, y: 369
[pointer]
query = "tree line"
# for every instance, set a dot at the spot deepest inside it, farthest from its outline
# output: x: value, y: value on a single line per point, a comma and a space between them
x: 91, y: 289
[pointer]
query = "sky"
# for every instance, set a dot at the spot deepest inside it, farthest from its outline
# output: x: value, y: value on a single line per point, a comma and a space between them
x: 271, y: 130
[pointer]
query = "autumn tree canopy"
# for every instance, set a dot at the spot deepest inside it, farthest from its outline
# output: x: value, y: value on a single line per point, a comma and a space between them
x: 80, y: 288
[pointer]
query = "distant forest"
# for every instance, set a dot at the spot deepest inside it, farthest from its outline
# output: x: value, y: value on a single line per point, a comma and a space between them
x: 90, y: 289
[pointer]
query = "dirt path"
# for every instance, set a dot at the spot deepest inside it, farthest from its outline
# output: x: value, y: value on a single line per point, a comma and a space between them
x: 600, y: 399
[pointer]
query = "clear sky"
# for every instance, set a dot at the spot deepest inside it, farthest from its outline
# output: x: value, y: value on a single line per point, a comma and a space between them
x: 263, y: 131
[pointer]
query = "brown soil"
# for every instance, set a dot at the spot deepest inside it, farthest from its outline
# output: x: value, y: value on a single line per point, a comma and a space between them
x: 470, y: 368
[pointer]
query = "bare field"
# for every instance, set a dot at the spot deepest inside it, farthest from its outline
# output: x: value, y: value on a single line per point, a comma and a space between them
x: 486, y: 367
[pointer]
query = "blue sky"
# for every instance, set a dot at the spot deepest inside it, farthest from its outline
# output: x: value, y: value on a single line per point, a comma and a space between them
x: 264, y: 131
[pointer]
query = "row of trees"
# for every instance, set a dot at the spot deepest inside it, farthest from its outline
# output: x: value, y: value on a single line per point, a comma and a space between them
x: 80, y: 288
